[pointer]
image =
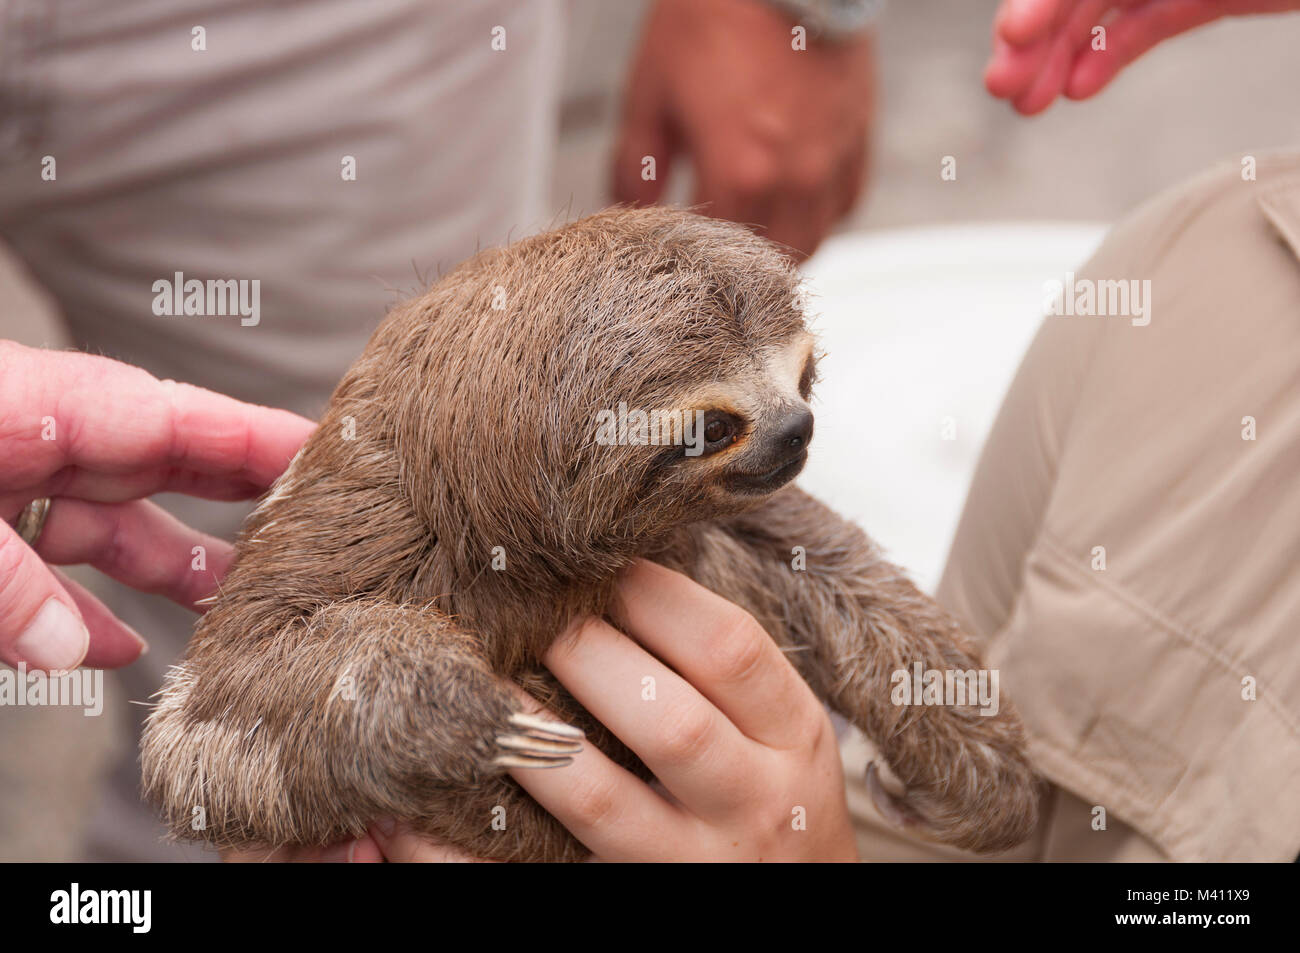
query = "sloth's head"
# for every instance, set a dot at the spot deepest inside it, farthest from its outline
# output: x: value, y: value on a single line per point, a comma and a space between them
x: 596, y: 385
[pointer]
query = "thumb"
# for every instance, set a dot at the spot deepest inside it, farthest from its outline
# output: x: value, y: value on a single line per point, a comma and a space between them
x: 40, y: 624
x: 645, y: 148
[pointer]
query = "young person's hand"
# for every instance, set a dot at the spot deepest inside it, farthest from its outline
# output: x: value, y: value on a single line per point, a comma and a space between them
x: 746, y: 758
x: 1043, y: 49
x: 96, y: 437
x: 777, y: 137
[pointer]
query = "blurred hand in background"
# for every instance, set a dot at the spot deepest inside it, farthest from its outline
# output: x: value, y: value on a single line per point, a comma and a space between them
x: 1043, y: 49
x: 777, y: 137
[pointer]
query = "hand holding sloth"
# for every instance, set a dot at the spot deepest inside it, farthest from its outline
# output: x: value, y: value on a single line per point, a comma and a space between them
x: 731, y: 753
x: 455, y: 511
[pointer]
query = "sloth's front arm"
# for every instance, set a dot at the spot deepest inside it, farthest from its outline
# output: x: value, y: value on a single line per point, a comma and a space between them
x: 308, y: 732
x: 850, y: 620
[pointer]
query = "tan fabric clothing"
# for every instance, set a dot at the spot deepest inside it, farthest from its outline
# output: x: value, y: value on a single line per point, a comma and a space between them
x: 1113, y: 435
x: 1067, y: 831
x: 227, y: 162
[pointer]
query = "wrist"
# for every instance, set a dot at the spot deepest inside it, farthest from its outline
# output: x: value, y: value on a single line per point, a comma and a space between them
x: 832, y: 20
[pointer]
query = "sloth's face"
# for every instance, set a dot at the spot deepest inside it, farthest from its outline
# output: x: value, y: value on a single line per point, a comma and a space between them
x: 757, y: 425
x: 727, y: 442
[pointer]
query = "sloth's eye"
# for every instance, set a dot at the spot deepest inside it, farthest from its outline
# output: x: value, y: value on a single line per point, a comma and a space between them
x: 720, y: 430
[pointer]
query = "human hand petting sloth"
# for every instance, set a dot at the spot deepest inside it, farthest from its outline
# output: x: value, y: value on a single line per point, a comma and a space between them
x: 1043, y: 49
x: 98, y: 437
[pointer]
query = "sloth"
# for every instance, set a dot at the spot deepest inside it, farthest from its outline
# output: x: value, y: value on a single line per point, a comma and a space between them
x: 457, y: 509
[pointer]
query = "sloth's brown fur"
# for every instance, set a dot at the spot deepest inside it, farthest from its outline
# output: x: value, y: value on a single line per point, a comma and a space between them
x: 349, y: 669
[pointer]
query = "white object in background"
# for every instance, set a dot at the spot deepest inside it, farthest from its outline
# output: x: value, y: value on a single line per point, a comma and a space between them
x: 923, y: 330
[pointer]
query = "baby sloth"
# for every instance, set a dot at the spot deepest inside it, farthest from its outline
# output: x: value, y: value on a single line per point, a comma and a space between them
x: 465, y: 499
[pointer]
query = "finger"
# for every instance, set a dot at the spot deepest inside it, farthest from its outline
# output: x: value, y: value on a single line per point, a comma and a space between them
x: 643, y: 156
x: 139, y: 544
x: 113, y: 643
x: 1050, y: 80
x: 721, y: 650
x: 401, y: 845
x: 40, y: 624
x: 1131, y: 34
x: 608, y: 809
x: 80, y: 410
x: 739, y: 186
x: 1032, y: 76
x: 801, y: 222
x: 690, y: 746
x: 116, y: 488
x: 795, y: 230
x: 363, y: 850
x: 611, y: 811
x: 1072, y: 37
x: 1012, y: 70
x: 1024, y: 22
x: 366, y: 850
x: 744, y: 206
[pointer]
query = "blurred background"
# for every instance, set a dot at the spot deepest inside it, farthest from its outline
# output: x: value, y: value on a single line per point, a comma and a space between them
x: 1220, y: 91
x: 943, y: 312
x: 927, y: 295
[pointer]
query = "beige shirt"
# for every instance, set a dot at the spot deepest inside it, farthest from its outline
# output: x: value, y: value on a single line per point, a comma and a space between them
x: 1130, y: 548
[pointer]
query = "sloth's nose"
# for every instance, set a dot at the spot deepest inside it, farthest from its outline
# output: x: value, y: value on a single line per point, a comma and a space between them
x: 794, y: 432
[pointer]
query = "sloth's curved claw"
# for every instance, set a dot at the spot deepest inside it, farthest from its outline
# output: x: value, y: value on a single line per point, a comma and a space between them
x: 534, y: 726
x: 539, y: 747
x: 540, y: 743
x: 523, y: 761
